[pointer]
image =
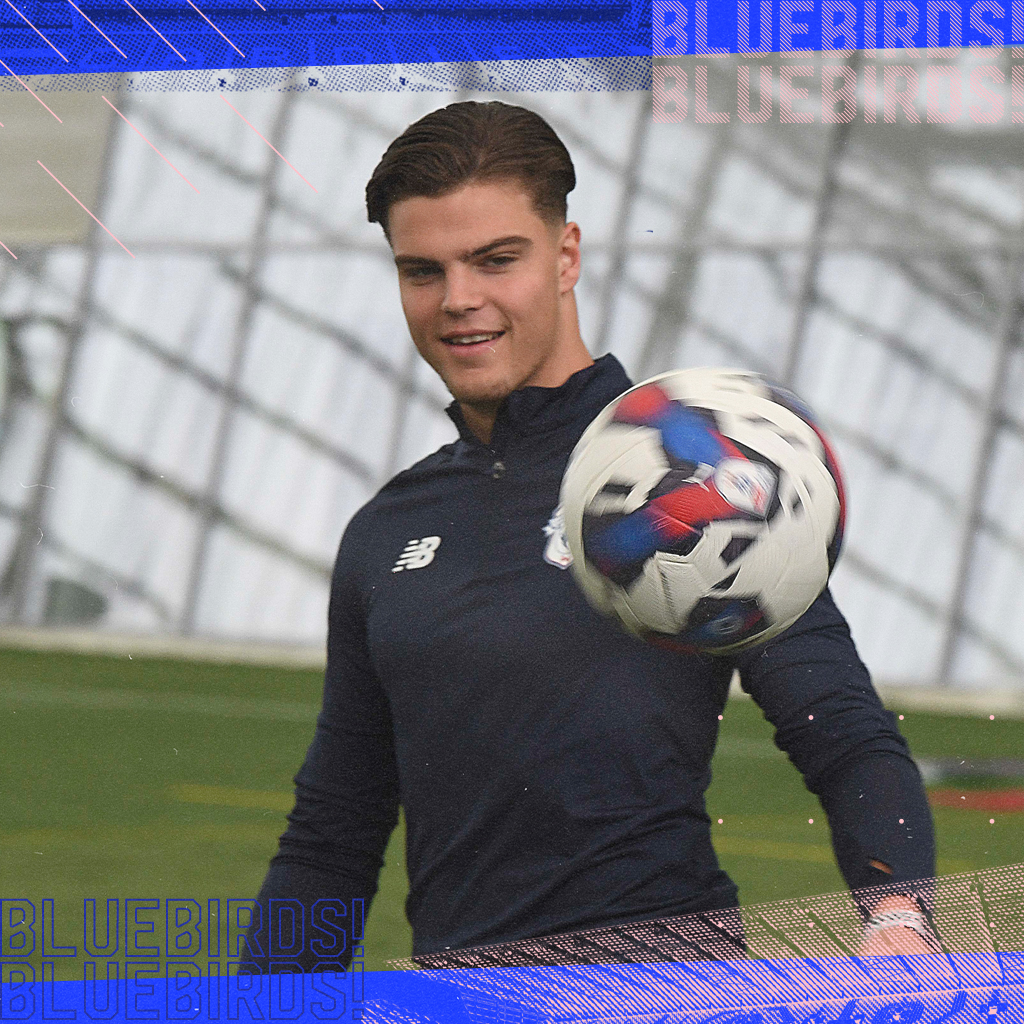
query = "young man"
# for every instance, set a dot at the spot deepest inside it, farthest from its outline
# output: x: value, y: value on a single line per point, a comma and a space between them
x: 551, y: 767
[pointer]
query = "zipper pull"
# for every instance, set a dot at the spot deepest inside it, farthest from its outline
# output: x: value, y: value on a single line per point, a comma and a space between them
x: 498, y: 469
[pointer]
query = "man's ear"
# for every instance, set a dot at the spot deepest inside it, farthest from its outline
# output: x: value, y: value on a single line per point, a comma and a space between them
x: 569, y: 257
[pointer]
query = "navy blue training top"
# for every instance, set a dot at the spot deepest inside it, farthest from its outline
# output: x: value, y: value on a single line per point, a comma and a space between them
x: 552, y: 768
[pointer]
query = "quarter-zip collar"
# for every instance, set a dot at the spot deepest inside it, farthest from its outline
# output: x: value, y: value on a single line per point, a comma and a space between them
x: 534, y: 410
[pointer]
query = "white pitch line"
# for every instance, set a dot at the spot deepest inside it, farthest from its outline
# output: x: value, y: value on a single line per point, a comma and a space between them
x: 231, y: 652
x: 175, y: 702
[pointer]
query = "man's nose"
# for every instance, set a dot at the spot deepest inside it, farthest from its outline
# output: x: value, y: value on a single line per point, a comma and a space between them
x: 461, y: 293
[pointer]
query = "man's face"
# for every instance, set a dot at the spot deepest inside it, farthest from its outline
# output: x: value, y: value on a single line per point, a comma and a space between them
x: 486, y: 287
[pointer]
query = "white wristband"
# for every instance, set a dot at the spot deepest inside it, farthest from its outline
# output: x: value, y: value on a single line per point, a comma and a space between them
x: 912, y: 919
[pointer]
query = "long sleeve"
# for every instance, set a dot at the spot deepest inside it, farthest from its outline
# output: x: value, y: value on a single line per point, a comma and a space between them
x: 346, y: 792
x: 815, y: 690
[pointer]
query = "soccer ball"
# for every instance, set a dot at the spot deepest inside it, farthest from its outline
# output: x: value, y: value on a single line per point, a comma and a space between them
x: 705, y: 509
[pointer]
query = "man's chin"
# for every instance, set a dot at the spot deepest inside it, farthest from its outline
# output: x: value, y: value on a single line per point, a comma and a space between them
x: 485, y: 397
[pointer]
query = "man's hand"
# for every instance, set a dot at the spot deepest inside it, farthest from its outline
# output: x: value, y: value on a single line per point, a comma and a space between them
x: 896, y: 939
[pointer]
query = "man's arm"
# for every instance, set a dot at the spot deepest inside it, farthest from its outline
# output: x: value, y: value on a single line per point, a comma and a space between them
x: 346, y: 792
x: 815, y: 690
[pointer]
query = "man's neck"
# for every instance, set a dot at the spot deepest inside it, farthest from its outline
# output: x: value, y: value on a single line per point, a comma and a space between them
x: 480, y: 419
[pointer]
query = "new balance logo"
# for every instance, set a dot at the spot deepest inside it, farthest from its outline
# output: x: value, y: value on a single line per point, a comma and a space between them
x: 417, y: 554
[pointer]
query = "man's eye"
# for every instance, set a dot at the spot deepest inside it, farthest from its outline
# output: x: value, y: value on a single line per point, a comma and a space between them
x: 499, y: 261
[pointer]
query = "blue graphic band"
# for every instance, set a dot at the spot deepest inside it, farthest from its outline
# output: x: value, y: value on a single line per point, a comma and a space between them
x: 973, y: 988
x: 93, y: 36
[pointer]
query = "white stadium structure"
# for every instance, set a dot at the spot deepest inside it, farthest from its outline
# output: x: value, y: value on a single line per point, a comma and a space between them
x: 186, y: 426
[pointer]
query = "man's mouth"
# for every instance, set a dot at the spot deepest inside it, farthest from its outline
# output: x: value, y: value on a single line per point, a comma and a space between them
x: 463, y: 340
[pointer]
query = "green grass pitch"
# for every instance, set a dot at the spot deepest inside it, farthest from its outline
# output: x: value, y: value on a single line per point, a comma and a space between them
x: 162, y: 778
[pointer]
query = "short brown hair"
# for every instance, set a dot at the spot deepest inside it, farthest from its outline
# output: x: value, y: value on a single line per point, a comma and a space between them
x: 471, y: 141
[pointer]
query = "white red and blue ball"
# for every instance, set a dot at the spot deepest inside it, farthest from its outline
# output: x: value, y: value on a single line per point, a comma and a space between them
x: 705, y: 509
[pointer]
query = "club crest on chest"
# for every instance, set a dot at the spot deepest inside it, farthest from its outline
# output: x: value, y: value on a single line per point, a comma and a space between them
x: 556, y: 551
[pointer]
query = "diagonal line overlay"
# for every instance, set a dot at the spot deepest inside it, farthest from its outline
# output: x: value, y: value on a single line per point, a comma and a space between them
x: 215, y: 29
x: 228, y: 102
x: 37, y: 32
x: 23, y: 83
x: 151, y: 146
x: 84, y: 207
x: 156, y: 30
x: 98, y: 29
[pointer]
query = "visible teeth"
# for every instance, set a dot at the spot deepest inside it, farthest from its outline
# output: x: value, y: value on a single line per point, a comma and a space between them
x: 473, y: 339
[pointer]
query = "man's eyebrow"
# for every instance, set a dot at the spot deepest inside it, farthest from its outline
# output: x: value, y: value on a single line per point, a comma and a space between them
x: 498, y: 243
x: 415, y: 261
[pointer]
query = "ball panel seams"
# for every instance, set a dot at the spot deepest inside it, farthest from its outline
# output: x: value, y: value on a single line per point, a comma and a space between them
x: 711, y: 556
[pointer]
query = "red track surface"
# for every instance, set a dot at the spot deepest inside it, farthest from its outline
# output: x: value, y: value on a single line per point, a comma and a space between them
x: 1002, y: 800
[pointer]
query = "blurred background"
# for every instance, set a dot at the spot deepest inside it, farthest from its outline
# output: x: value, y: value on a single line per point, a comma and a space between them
x: 186, y: 433
x: 198, y: 394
